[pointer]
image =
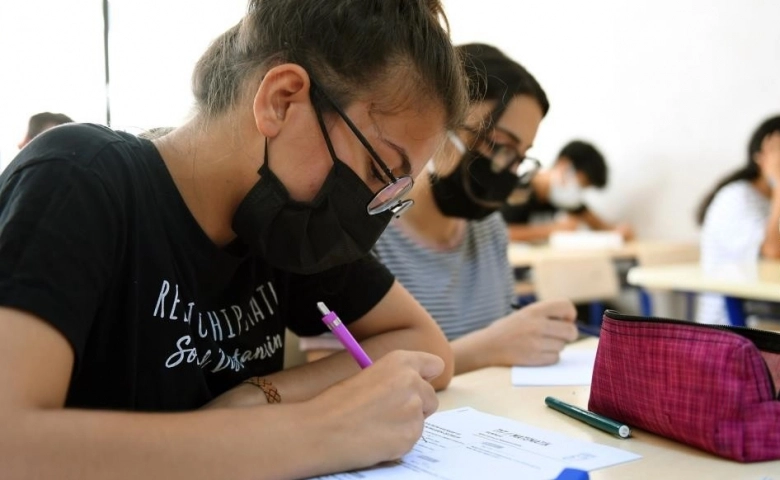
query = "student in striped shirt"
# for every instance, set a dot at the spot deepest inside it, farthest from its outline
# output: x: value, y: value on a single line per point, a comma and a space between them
x: 450, y: 250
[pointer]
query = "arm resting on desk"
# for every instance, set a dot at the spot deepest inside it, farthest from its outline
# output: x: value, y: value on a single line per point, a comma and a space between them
x: 375, y: 416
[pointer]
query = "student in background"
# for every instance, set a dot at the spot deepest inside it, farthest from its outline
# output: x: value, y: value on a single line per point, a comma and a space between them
x: 40, y: 122
x: 142, y: 276
x: 740, y: 218
x: 560, y: 189
x: 450, y: 250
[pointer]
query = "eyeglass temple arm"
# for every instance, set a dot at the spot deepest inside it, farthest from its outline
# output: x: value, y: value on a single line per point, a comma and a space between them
x: 355, y: 131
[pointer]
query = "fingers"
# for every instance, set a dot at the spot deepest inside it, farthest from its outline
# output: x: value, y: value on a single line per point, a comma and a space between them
x: 430, y: 402
x: 429, y: 366
x: 559, y: 309
x: 563, y: 331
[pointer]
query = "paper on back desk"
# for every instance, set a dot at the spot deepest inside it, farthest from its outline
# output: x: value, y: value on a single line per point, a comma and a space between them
x: 574, y: 368
x: 586, y: 239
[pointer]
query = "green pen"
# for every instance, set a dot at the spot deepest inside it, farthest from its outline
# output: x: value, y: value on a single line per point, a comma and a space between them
x: 593, y: 419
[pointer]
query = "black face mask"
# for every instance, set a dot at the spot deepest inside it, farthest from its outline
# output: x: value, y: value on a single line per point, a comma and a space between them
x: 309, y: 237
x: 473, y: 180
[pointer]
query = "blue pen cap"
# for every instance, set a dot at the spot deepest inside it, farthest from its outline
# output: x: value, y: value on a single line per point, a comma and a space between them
x: 573, y: 474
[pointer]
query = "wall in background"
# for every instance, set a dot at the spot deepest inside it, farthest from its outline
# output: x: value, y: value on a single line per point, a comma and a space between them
x: 154, y: 47
x: 51, y: 59
x: 670, y: 90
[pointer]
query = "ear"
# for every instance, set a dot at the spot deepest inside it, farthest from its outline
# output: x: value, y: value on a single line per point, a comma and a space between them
x: 282, y: 92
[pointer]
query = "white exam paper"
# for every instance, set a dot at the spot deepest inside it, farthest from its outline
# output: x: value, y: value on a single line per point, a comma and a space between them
x: 465, y: 444
x: 574, y: 368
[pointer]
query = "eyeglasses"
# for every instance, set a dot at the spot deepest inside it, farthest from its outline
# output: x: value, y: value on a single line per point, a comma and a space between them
x: 525, y: 172
x: 507, y: 158
x: 504, y: 157
x: 390, y: 197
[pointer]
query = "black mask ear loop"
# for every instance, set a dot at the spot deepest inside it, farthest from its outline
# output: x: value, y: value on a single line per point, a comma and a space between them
x: 486, y: 125
x: 266, y: 159
x: 324, y: 130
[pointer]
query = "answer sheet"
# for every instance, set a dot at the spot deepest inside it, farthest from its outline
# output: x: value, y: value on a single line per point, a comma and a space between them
x: 574, y: 368
x: 465, y: 444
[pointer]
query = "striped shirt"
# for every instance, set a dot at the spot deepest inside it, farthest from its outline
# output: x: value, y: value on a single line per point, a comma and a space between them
x: 464, y: 289
x: 733, y: 231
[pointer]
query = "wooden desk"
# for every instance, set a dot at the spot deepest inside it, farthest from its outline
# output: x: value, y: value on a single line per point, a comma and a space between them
x: 490, y: 390
x: 755, y: 281
x: 759, y: 281
x: 525, y: 255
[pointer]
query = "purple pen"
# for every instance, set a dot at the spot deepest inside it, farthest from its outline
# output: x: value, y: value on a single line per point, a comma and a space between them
x: 338, y: 328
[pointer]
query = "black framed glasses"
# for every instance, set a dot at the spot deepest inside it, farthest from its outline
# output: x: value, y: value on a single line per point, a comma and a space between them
x: 507, y: 158
x: 525, y: 172
x: 388, y: 198
x: 504, y: 157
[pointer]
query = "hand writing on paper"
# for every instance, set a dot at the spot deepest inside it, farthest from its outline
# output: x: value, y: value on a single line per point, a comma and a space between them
x: 378, y: 414
x: 533, y: 335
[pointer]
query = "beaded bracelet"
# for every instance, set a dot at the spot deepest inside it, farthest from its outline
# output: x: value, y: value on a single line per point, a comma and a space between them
x: 268, y: 388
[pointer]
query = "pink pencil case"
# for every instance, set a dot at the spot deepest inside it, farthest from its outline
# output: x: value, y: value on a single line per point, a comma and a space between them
x: 709, y: 386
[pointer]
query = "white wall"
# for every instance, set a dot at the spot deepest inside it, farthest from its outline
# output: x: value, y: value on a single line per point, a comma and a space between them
x: 154, y: 47
x: 670, y: 90
x: 51, y: 59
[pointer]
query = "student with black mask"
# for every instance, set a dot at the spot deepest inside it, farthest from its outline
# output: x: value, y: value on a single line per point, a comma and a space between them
x: 142, y: 276
x: 450, y: 251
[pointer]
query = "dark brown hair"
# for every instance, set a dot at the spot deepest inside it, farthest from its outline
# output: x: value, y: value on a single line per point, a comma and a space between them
x: 349, y: 46
x: 492, y: 76
x: 43, y: 121
x: 750, y: 171
x: 586, y: 158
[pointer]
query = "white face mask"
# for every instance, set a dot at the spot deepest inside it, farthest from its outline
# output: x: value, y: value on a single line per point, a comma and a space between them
x: 565, y: 191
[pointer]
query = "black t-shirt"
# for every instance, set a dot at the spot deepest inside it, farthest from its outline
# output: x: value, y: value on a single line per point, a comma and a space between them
x: 96, y: 240
x: 534, y: 209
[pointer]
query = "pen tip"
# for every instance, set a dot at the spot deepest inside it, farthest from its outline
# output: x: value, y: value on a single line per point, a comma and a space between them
x: 323, y: 309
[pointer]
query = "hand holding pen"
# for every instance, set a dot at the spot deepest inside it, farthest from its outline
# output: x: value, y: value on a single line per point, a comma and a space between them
x: 379, y: 413
x: 585, y: 330
x: 340, y: 331
x: 534, y: 335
